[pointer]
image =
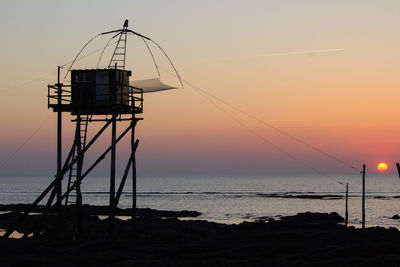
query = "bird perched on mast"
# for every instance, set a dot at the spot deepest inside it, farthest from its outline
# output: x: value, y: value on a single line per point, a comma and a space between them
x: 126, y: 24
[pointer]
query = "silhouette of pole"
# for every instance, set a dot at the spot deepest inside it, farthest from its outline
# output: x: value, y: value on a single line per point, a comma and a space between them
x: 346, y: 216
x: 133, y: 151
x: 58, y: 185
x: 78, y: 175
x: 398, y: 169
x: 363, y: 197
x: 112, y: 174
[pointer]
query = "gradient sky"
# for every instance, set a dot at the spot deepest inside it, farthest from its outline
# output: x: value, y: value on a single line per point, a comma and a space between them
x: 344, y: 102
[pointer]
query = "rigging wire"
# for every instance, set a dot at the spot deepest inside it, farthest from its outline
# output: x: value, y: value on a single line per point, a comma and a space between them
x: 172, y: 64
x: 152, y: 56
x: 25, y: 83
x: 313, y: 147
x: 43, y: 123
x: 46, y: 75
x: 265, y: 140
x: 208, y: 96
x: 76, y: 57
x: 24, y: 143
x: 104, y: 49
x: 85, y: 55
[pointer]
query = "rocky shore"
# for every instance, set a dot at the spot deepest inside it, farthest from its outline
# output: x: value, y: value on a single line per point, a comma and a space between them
x: 306, y: 239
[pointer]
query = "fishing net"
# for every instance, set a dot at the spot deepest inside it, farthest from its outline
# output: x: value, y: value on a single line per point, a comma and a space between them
x: 151, y: 85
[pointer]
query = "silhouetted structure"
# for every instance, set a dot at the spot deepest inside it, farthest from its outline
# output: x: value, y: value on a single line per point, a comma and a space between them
x: 94, y: 95
x: 103, y: 96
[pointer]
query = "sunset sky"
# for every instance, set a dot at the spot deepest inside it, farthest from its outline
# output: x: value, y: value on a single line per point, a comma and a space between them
x: 342, y: 99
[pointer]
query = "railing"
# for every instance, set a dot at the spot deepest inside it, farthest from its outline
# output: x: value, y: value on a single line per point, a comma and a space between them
x: 127, y: 102
x: 52, y: 95
x: 136, y: 101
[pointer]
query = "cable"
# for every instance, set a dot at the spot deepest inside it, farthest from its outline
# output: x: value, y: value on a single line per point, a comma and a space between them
x: 41, y: 77
x: 72, y: 64
x: 24, y: 143
x: 172, y: 64
x: 102, y: 52
x: 26, y: 83
x: 273, y: 127
x: 152, y: 56
x: 276, y: 128
x: 262, y: 138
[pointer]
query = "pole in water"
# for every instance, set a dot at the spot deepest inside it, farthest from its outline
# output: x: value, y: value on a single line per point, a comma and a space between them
x: 363, y: 197
x: 133, y: 151
x: 398, y: 169
x: 346, y: 216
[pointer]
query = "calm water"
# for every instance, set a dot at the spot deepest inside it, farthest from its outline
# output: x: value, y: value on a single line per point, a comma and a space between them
x: 234, y: 199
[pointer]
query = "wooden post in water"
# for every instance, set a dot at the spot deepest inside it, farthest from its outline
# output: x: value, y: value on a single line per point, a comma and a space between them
x: 398, y: 169
x: 346, y: 216
x: 363, y: 197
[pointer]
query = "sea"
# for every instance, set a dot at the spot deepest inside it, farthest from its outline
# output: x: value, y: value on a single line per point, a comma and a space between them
x: 234, y: 199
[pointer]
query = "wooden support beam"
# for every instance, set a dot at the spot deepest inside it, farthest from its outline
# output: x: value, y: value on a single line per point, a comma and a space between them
x: 99, y: 159
x: 79, y: 164
x: 67, y: 167
x: 36, y: 228
x: 134, y: 145
x: 13, y: 226
x: 59, y: 176
x: 112, y: 175
x: 128, y: 166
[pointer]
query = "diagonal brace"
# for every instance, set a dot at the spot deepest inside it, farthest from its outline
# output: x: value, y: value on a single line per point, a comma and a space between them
x: 128, y: 166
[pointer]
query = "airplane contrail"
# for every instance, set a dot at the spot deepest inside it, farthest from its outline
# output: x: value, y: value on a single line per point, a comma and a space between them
x: 307, y: 52
x: 303, y: 52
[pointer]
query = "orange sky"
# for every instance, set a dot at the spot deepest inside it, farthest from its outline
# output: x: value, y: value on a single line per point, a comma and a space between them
x: 344, y: 101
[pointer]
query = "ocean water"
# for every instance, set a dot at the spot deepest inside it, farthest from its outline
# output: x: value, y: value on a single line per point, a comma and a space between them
x: 233, y: 199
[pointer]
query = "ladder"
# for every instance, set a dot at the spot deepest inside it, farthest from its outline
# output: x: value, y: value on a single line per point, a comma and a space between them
x: 118, y: 58
x: 79, y: 145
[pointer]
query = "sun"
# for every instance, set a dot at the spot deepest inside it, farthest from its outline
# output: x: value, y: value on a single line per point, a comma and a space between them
x: 382, y: 167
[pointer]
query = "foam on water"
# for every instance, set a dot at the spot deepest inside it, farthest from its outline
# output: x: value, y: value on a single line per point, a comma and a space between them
x: 236, y: 198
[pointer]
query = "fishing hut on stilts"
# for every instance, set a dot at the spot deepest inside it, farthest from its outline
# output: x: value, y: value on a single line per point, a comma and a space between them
x: 100, y: 95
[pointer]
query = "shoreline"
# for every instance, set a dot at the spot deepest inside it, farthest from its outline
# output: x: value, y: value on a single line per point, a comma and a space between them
x: 305, y: 239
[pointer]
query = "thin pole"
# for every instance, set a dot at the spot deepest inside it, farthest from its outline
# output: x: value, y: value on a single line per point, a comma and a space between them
x: 363, y: 197
x: 346, y: 219
x: 133, y: 151
x: 112, y: 174
x: 78, y: 176
x: 398, y: 169
x: 59, y: 155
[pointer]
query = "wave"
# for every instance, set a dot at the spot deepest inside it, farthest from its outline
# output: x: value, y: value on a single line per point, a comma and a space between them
x: 247, y: 194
